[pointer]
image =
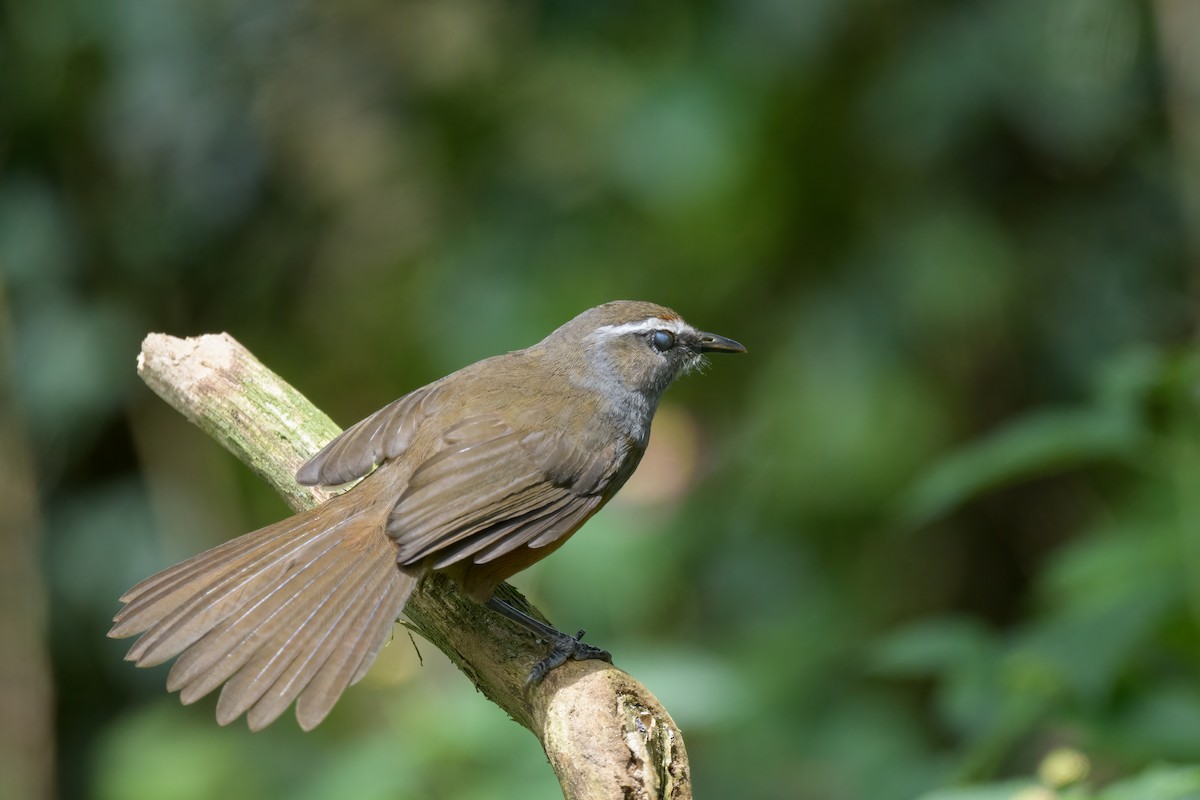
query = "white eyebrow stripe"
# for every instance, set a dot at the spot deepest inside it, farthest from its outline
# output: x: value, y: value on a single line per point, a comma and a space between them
x: 676, y: 326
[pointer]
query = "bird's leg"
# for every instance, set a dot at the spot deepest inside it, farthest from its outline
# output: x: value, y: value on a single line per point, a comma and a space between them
x: 563, y: 645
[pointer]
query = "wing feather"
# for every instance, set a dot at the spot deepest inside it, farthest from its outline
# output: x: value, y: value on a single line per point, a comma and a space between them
x: 511, y: 532
x: 545, y: 530
x: 383, y: 435
x: 492, y: 489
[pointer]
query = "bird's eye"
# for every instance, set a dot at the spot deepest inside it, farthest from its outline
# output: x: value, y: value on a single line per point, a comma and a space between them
x: 662, y: 340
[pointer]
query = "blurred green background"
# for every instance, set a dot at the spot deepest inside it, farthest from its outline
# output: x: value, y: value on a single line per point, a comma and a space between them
x: 937, y: 536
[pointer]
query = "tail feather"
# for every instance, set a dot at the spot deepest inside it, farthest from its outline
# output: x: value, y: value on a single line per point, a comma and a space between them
x: 297, y: 679
x: 292, y: 646
x: 263, y: 623
x: 210, y: 560
x: 254, y: 590
x: 351, y: 658
x: 201, y: 594
x: 377, y: 621
x: 298, y: 609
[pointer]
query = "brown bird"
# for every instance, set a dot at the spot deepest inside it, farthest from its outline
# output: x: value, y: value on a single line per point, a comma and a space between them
x: 477, y: 475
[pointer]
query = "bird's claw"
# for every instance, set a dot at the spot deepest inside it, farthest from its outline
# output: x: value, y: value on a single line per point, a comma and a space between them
x: 565, y: 647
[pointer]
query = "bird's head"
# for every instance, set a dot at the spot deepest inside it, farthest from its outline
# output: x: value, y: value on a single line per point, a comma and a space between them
x: 636, y: 346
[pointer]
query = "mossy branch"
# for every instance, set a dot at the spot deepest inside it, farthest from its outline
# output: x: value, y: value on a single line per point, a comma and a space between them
x: 604, y: 733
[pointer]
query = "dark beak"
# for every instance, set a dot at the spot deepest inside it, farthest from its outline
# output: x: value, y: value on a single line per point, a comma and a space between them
x: 711, y: 343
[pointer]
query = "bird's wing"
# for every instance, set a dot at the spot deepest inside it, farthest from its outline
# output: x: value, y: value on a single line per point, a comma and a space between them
x: 385, y: 434
x: 492, y: 489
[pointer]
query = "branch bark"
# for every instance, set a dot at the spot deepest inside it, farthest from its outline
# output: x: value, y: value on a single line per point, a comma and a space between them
x: 605, y: 734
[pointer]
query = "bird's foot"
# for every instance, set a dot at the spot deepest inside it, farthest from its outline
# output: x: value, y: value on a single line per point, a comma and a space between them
x: 565, y: 647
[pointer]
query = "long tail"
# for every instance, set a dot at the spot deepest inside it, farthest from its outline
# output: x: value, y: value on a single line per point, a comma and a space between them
x: 298, y: 609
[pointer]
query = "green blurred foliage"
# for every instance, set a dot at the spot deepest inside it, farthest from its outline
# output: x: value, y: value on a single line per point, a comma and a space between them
x: 945, y: 516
